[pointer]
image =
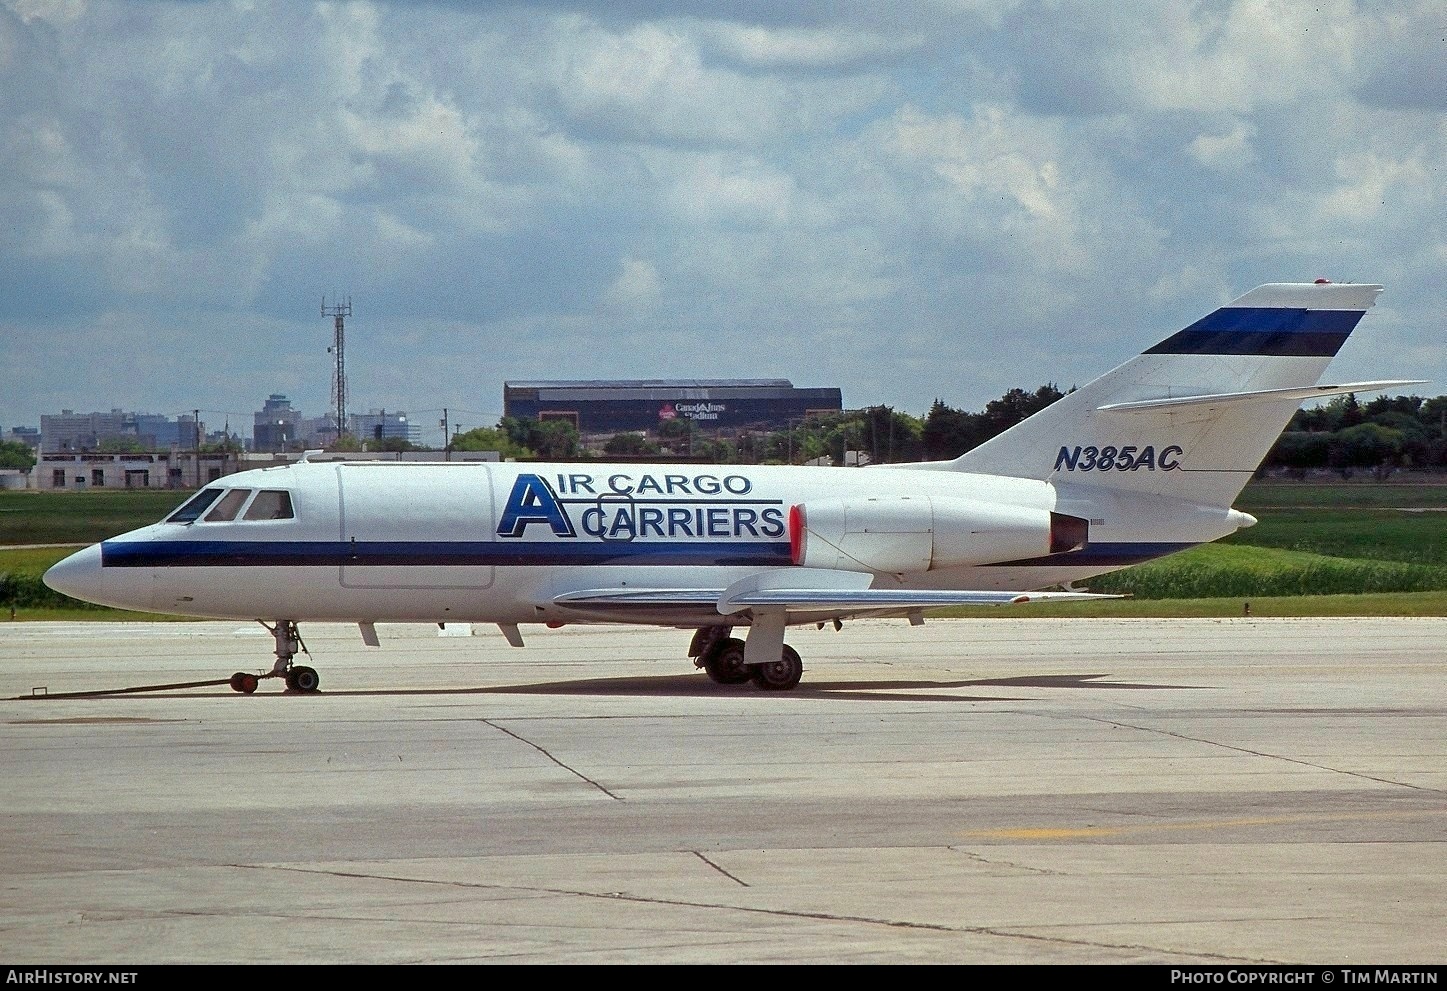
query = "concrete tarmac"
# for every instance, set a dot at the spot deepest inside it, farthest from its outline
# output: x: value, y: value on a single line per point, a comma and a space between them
x: 1221, y: 792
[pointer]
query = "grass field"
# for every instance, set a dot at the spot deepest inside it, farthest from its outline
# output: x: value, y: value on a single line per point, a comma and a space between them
x: 1339, y: 495
x: 1226, y: 571
x: 1260, y: 606
x: 1373, y: 534
x: 1318, y: 549
x: 80, y: 517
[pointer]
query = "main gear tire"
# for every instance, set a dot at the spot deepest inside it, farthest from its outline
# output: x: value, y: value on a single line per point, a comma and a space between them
x: 725, y: 662
x: 781, y: 675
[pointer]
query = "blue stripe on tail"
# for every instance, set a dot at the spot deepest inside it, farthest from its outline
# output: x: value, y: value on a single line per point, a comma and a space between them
x: 1264, y: 331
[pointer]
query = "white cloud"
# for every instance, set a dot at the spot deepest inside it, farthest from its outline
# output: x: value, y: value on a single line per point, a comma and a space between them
x: 1008, y: 169
x: 714, y: 189
x: 649, y: 84
x: 57, y: 12
x: 636, y: 289
x: 810, y: 48
x: 1228, y: 152
x: 1366, y: 181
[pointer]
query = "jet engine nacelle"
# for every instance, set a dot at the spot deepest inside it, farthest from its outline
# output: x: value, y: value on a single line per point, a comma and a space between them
x: 906, y: 534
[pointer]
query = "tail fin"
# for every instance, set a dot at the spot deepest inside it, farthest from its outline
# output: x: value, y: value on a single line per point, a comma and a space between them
x: 1194, y: 416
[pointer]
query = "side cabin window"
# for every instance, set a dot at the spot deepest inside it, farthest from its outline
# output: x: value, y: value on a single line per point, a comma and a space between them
x: 228, y: 506
x: 192, y: 508
x: 271, y: 504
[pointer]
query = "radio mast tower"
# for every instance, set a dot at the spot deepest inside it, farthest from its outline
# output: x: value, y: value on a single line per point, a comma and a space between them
x: 339, y: 313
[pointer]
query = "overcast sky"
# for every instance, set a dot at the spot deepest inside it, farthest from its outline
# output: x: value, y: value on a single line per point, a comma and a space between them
x: 911, y: 200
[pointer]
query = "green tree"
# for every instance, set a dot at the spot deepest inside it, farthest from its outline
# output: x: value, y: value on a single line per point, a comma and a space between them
x: 630, y: 445
x: 551, y: 440
x: 678, y: 435
x: 227, y: 445
x: 1299, y: 451
x: 948, y: 432
x: 557, y: 440
x: 392, y: 444
x: 719, y: 452
x: 490, y: 439
x: 1351, y: 410
x: 1017, y: 404
x: 1366, y: 445
x: 1380, y: 405
x: 16, y: 454
x: 890, y: 436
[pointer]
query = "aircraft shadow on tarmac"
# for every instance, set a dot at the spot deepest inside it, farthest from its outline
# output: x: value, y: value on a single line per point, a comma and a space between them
x: 699, y: 686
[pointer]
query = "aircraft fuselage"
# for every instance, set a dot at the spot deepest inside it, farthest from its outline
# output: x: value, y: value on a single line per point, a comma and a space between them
x: 490, y: 542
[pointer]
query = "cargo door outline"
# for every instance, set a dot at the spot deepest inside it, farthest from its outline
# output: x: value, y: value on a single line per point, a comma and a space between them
x: 452, y: 514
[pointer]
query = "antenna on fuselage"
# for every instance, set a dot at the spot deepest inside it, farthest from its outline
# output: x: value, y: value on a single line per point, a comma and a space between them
x: 339, y: 313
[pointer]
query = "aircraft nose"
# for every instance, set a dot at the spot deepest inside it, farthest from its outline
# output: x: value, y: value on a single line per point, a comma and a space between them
x: 78, y: 576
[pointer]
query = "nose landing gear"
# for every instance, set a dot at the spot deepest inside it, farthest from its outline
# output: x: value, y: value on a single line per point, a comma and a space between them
x: 302, y: 679
x: 298, y: 678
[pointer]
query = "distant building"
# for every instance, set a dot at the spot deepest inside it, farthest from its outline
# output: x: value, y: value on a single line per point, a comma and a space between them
x: 381, y: 425
x: 29, y: 436
x: 276, y: 426
x: 318, y: 432
x: 315, y: 457
x: 174, y: 470
x: 159, y: 433
x: 723, y: 405
x: 71, y: 431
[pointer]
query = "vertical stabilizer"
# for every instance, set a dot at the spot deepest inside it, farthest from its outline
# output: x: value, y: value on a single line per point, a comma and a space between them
x: 1234, y: 379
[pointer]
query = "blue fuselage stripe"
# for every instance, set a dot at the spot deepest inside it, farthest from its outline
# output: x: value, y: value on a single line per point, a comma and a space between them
x: 364, y: 554
x: 482, y: 553
x: 1264, y: 331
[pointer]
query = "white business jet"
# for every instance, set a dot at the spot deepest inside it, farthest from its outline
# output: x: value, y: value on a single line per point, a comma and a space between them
x: 1140, y: 463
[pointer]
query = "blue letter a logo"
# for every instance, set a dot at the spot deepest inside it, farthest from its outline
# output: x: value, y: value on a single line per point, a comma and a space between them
x: 533, y: 501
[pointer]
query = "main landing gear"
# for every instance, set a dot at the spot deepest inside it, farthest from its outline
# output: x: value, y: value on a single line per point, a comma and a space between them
x: 298, y: 678
x: 721, y: 655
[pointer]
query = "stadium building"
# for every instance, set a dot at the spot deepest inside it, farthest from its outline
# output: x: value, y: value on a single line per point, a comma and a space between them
x: 724, y: 406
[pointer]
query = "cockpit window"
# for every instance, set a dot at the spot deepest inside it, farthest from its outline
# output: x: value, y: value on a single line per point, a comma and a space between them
x: 270, y: 504
x: 194, y: 506
x: 229, y: 506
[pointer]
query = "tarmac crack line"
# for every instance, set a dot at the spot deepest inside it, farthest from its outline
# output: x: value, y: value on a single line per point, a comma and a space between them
x: 716, y: 867
x: 1262, y: 753
x: 579, y: 774
x: 781, y: 913
x: 976, y: 858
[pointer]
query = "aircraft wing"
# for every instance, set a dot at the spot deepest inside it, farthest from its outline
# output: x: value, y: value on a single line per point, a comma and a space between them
x: 891, y: 598
x: 802, y: 595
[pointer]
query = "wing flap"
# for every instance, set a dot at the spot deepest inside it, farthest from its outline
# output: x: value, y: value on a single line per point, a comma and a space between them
x: 812, y: 600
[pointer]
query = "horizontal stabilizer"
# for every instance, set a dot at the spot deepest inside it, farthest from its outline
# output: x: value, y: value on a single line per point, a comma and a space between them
x: 1300, y: 394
